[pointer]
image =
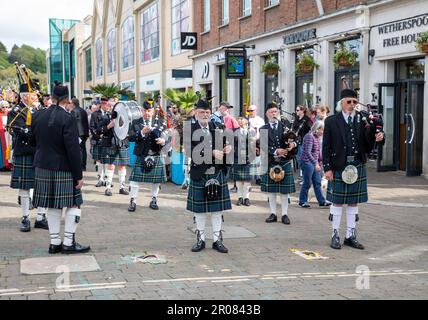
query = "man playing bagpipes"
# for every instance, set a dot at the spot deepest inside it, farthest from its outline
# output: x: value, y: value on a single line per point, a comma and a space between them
x: 149, y: 134
x: 97, y: 118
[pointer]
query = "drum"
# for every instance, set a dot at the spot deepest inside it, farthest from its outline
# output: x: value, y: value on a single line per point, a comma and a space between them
x: 126, y: 112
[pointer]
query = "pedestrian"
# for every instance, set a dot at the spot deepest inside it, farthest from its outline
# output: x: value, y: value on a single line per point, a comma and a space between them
x: 99, y: 115
x: 83, y: 128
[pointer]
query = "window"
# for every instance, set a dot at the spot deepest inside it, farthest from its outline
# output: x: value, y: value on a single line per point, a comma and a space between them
x: 128, y: 43
x: 246, y: 8
x: 99, y: 57
x: 207, y: 20
x: 272, y: 2
x: 271, y: 83
x: 223, y: 84
x: 111, y: 51
x: 180, y: 23
x: 225, y: 12
x: 150, y: 33
x: 305, y: 78
x: 88, y: 59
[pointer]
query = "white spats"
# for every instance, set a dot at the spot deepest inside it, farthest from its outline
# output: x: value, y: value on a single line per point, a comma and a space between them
x: 54, y: 219
x: 122, y: 177
x: 216, y: 220
x: 109, y: 177
x: 25, y: 202
x: 272, y: 202
x: 70, y: 224
x: 100, y: 171
x: 135, y: 187
x: 351, y: 212
x: 336, y: 212
x: 243, y: 189
x: 284, y: 204
x: 200, y: 219
x: 41, y: 212
x: 155, y: 189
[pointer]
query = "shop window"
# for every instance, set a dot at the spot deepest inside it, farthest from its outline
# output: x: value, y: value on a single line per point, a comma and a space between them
x: 180, y: 23
x: 304, y: 91
x: 128, y: 43
x: 150, y: 33
x: 88, y: 59
x: 271, y: 83
x: 223, y: 96
x: 411, y: 69
x: 111, y: 51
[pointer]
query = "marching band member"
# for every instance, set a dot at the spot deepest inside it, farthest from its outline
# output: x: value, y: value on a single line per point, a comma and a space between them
x: 19, y: 121
x: 208, y: 190
x: 348, y: 139
x: 96, y: 148
x: 115, y: 152
x: 58, y: 171
x: 149, y: 134
x: 280, y: 153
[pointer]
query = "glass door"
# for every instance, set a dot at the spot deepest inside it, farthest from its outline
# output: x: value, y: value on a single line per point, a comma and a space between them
x: 388, y: 153
x: 414, y: 127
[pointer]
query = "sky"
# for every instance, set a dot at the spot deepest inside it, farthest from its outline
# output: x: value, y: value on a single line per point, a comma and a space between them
x: 27, y: 21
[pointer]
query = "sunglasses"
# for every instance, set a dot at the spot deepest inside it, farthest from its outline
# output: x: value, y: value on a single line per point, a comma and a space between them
x: 251, y: 110
x: 351, y: 101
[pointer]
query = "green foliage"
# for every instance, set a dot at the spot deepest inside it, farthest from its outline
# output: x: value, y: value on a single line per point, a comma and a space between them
x: 2, y: 47
x: 305, y: 60
x: 421, y: 40
x: 345, y: 54
x: 185, y: 101
x: 271, y: 66
x: 130, y: 95
x: 35, y: 59
x: 109, y: 91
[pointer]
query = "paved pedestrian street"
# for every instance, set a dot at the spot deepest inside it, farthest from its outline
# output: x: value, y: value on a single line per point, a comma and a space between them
x: 260, y: 264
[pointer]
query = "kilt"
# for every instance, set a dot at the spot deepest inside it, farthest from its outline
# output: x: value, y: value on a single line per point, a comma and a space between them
x: 196, y: 201
x: 285, y: 186
x: 22, y: 172
x: 243, y: 172
x: 156, y: 175
x: 342, y: 193
x: 120, y: 158
x: 96, y: 152
x: 55, y: 190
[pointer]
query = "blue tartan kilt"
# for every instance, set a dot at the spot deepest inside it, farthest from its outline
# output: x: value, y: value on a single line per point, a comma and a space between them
x: 342, y: 193
x: 156, y: 175
x: 116, y: 156
x: 243, y: 172
x: 22, y: 172
x: 55, y: 189
x: 285, y: 186
x: 96, y: 152
x: 196, y: 200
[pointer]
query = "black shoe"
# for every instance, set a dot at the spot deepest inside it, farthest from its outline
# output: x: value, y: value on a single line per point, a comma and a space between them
x: 132, y: 206
x: 234, y: 190
x: 83, y: 168
x: 335, y: 241
x: 304, y: 205
x: 353, y: 242
x: 124, y: 191
x: 285, y: 219
x: 247, y: 202
x: 272, y: 218
x: 25, y: 225
x: 325, y: 204
x: 258, y: 182
x: 75, y: 248
x: 99, y: 184
x: 53, y: 248
x: 42, y: 224
x: 219, y: 246
x: 200, y: 244
x: 108, y: 193
x: 19, y: 200
x: 153, y: 204
x: 240, y: 202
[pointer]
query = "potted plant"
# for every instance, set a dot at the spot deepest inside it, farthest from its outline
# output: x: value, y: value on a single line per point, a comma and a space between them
x: 306, y: 63
x: 422, y: 42
x: 271, y: 67
x: 344, y: 57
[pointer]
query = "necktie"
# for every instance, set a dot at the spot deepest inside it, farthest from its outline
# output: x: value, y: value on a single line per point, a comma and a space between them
x: 147, y: 122
x: 274, y: 126
x: 349, y: 121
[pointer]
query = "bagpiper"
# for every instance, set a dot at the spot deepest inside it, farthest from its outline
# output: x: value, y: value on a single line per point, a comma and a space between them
x: 19, y: 123
x: 58, y: 171
x: 208, y: 189
x: 97, y: 117
x: 149, y: 132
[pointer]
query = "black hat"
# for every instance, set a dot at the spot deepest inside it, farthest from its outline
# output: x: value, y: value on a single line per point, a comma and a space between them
x: 60, y: 92
x: 104, y: 99
x: 202, y: 104
x: 226, y: 104
x: 348, y: 93
x: 271, y: 105
x: 147, y: 105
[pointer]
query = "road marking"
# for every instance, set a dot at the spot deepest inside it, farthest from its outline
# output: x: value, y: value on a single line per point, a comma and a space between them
x: 8, y: 290
x: 85, y: 285
x: 22, y: 293
x: 90, y: 288
x: 202, y: 278
x: 235, y: 280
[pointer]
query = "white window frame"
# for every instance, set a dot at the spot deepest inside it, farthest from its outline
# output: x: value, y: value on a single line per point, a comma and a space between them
x: 144, y: 36
x: 224, y: 12
x: 111, y: 51
x: 246, y: 8
x: 131, y: 43
x: 207, y: 16
x: 271, y: 3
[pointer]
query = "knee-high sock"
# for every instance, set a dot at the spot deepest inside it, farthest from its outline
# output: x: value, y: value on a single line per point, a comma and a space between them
x: 70, y: 225
x: 336, y: 212
x: 100, y: 171
x: 351, y: 212
x: 247, y: 186
x: 155, y: 189
x: 272, y: 202
x: 240, y: 186
x: 31, y: 193
x: 41, y: 213
x: 109, y: 176
x: 284, y: 204
x: 122, y: 177
x: 201, y: 219
x: 135, y: 187
x: 25, y: 202
x: 54, y: 219
x: 216, y: 220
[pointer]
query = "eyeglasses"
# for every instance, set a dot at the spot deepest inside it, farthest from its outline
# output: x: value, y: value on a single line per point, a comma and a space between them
x: 251, y: 110
x: 297, y: 110
x: 351, y: 101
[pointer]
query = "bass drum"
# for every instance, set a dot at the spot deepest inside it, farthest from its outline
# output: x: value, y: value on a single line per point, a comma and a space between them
x: 127, y: 111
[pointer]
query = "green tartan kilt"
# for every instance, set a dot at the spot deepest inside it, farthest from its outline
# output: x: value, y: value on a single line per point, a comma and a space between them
x: 196, y: 200
x: 55, y: 190
x: 116, y: 156
x: 342, y: 193
x: 156, y: 175
x: 243, y: 172
x: 96, y: 152
x: 22, y: 172
x: 285, y: 186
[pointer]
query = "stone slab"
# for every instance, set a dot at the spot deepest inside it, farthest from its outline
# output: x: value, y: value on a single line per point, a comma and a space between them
x: 59, y: 264
x: 230, y: 232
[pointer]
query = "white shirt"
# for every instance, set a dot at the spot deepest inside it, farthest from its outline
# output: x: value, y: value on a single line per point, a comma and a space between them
x: 257, y: 122
x: 346, y: 115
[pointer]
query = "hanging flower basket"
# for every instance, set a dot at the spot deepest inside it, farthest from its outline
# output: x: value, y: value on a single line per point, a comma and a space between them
x: 344, y: 56
x: 422, y: 42
x: 304, y: 68
x: 271, y: 67
x: 424, y: 48
x: 305, y: 64
x: 344, y: 62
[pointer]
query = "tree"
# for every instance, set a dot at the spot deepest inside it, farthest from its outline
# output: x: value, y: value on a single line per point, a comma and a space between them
x: 2, y: 47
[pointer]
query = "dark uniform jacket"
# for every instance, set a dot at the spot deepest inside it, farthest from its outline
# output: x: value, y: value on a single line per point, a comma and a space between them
x: 301, y: 127
x: 82, y: 121
x: 20, y: 138
x: 55, y: 136
x: 336, y: 145
x: 145, y: 146
x: 96, y: 119
x: 277, y: 141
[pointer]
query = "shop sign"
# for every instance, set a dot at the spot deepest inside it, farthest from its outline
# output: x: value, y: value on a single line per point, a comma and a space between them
x: 301, y: 36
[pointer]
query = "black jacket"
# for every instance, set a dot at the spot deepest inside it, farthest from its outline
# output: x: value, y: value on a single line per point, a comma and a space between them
x: 96, y: 120
x: 301, y: 127
x: 277, y: 142
x: 334, y: 150
x: 143, y: 145
x: 55, y: 136
x: 20, y: 131
x: 82, y: 121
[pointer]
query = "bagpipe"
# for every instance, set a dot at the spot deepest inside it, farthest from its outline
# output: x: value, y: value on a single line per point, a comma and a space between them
x: 371, y: 117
